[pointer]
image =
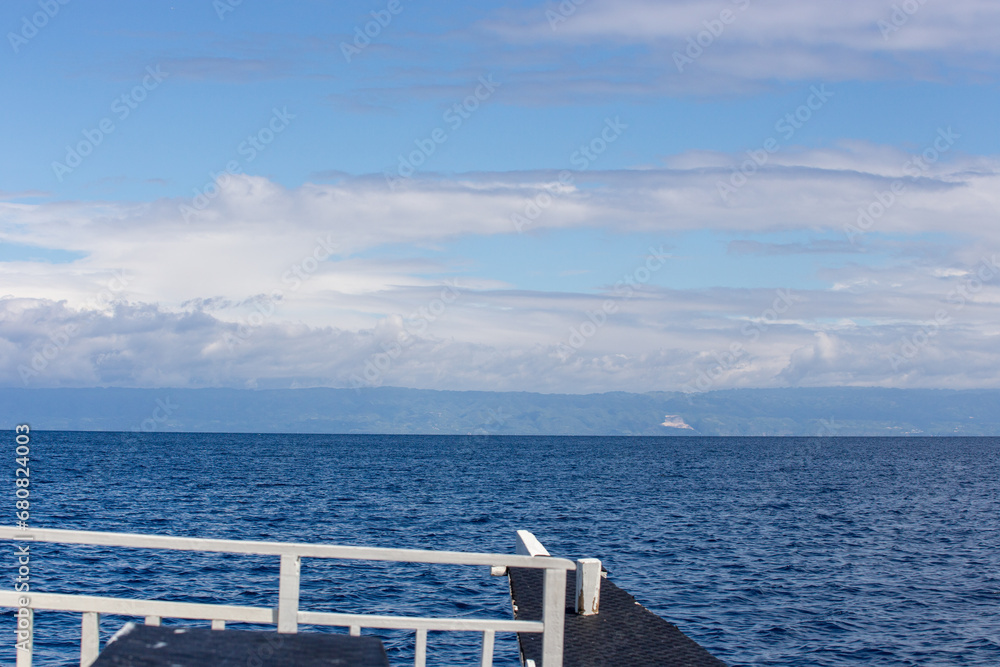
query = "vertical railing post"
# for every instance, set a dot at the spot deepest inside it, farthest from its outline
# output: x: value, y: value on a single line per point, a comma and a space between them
x: 487, y: 657
x: 288, y: 593
x: 25, y: 628
x: 420, y: 650
x: 553, y: 617
x: 90, y: 638
x: 588, y: 586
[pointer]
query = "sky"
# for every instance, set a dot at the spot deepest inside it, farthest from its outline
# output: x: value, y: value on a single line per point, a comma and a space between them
x: 575, y: 197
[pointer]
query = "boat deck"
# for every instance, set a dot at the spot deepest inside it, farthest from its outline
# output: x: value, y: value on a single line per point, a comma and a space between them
x: 154, y: 646
x: 623, y: 633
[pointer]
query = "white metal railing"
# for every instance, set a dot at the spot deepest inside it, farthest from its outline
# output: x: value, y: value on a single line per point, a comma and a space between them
x: 286, y: 615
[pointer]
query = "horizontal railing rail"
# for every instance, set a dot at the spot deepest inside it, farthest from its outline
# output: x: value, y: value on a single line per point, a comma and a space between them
x: 286, y: 615
x: 145, y: 608
x: 304, y: 550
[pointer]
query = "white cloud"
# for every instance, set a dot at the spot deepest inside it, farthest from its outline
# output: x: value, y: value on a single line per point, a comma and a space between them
x: 660, y: 340
x: 157, y: 301
x: 762, y: 41
x: 251, y: 239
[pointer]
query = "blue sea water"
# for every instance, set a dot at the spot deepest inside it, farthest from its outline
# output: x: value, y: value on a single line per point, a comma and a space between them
x: 767, y: 551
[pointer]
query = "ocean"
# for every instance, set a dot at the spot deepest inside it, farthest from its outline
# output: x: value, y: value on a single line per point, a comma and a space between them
x: 767, y: 551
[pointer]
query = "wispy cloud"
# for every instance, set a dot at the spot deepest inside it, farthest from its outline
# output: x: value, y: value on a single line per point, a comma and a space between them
x: 763, y: 41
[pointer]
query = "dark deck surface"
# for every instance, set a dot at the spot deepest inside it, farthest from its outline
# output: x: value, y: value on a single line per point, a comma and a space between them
x: 150, y: 646
x: 623, y: 634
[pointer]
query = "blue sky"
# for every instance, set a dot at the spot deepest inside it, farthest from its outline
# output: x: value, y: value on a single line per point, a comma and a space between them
x: 562, y: 148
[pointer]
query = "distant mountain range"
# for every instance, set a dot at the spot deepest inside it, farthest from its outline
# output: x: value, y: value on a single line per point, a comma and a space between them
x: 777, y: 412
